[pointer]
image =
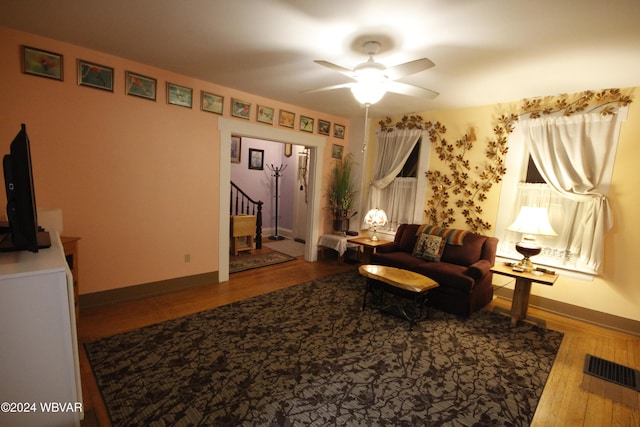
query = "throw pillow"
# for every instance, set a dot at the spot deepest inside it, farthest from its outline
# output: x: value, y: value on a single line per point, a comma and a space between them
x: 429, y: 247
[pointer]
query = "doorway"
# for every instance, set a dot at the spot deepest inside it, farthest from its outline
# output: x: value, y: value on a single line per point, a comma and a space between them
x: 315, y: 144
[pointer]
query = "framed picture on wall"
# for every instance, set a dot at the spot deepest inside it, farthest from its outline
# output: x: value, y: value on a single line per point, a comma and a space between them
x: 236, y: 149
x: 287, y: 118
x: 336, y: 151
x: 265, y: 114
x: 240, y: 109
x: 323, y: 127
x: 95, y: 75
x: 211, y: 103
x: 139, y: 85
x: 179, y: 95
x: 256, y: 159
x: 338, y: 131
x: 42, y: 63
x: 306, y: 124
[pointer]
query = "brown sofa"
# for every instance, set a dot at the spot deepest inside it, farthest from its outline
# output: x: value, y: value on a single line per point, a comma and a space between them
x: 463, y: 271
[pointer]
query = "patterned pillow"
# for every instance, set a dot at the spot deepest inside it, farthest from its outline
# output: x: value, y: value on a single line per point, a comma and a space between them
x: 429, y: 247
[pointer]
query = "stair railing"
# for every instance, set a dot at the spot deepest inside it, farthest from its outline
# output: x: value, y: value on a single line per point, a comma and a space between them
x: 242, y: 204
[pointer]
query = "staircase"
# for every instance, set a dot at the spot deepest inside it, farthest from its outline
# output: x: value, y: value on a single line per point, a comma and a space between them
x: 242, y: 204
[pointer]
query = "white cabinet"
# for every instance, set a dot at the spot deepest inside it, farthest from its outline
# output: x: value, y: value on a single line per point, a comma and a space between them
x: 39, y: 368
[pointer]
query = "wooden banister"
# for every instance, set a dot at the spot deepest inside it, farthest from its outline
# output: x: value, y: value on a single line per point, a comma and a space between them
x: 242, y: 204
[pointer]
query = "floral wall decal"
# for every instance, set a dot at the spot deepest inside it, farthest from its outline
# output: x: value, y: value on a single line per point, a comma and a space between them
x: 462, y: 188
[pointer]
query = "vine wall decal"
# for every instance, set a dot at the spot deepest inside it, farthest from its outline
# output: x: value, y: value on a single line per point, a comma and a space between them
x: 463, y: 187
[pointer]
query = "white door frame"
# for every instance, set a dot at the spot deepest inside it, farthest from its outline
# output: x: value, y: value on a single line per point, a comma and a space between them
x: 227, y: 128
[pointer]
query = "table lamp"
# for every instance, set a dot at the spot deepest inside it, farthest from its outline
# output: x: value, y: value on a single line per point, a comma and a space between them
x: 375, y: 218
x: 530, y: 222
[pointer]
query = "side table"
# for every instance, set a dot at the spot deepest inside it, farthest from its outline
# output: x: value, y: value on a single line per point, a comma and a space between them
x: 337, y: 242
x: 520, y: 302
x: 368, y: 246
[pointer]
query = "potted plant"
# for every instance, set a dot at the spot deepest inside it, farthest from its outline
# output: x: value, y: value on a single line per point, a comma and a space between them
x: 342, y: 193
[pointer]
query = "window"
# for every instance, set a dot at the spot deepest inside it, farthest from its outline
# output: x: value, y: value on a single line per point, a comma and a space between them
x: 399, y: 158
x: 410, y: 168
x: 575, y: 198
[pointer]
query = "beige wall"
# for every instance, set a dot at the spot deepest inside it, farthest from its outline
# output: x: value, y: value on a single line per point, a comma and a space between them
x: 617, y: 290
x: 137, y: 180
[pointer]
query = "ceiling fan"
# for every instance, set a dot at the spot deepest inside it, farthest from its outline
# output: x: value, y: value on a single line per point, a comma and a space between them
x: 372, y: 79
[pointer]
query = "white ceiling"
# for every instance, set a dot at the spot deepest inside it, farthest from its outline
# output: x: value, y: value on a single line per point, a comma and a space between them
x: 485, y: 52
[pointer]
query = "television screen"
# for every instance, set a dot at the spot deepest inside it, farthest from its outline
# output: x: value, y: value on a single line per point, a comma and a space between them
x: 21, y: 200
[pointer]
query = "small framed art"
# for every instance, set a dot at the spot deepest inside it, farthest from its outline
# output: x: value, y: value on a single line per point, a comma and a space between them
x: 287, y: 118
x: 236, y: 149
x: 256, y: 159
x: 211, y: 103
x: 323, y: 127
x: 240, y: 109
x: 139, y: 85
x: 42, y: 63
x: 338, y: 131
x: 95, y: 75
x: 336, y: 151
x: 265, y: 114
x: 306, y: 124
x: 179, y: 95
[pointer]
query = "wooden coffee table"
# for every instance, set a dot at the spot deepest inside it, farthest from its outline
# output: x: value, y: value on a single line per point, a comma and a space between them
x: 403, y: 283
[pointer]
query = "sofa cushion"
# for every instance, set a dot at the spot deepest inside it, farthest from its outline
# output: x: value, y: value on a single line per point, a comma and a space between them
x: 468, y: 253
x: 429, y: 247
x: 409, y: 236
x: 447, y: 275
x: 398, y: 259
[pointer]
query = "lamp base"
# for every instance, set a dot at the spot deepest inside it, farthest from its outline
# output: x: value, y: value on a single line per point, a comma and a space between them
x: 527, y: 249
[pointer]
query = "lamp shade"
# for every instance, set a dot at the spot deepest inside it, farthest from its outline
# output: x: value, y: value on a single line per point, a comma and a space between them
x: 532, y: 220
x: 376, y: 218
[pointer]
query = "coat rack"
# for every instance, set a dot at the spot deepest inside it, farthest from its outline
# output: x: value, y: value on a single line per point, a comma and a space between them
x: 277, y: 174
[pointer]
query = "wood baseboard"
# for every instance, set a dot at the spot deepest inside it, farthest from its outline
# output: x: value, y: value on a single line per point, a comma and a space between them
x: 136, y: 292
x: 606, y: 320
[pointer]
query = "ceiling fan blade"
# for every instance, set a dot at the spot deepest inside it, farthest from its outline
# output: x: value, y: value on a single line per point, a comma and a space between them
x: 408, y: 68
x: 410, y: 90
x: 342, y: 70
x: 322, y: 89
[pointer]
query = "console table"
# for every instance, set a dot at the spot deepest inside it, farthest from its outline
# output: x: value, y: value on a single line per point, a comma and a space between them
x: 70, y: 247
x: 520, y: 302
x: 39, y: 357
x: 337, y: 242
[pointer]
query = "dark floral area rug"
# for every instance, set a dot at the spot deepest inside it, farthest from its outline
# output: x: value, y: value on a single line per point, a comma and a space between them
x: 310, y: 356
x: 250, y: 262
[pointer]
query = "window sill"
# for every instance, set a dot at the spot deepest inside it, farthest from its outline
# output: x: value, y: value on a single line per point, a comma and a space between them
x: 562, y: 270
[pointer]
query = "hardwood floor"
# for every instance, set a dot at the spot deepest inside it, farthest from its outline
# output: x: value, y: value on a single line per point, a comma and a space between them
x: 570, y: 398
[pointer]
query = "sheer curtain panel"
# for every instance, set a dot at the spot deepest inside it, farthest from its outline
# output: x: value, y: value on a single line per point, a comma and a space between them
x: 393, y: 150
x: 574, y: 155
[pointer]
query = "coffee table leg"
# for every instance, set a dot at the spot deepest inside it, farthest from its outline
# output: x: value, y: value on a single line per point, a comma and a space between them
x: 366, y: 291
x: 520, y: 302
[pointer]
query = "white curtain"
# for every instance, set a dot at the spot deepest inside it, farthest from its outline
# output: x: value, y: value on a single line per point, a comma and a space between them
x: 398, y: 201
x: 573, y: 155
x: 393, y: 150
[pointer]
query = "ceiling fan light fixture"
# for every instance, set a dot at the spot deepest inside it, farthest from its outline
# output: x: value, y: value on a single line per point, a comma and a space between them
x: 367, y: 94
x: 370, y: 87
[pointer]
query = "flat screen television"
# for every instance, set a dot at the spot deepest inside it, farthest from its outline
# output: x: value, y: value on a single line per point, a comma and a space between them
x: 21, y: 231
